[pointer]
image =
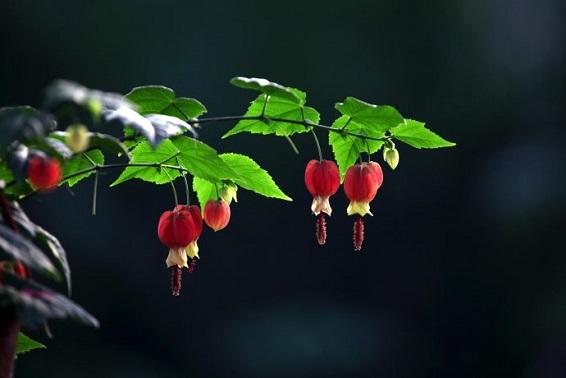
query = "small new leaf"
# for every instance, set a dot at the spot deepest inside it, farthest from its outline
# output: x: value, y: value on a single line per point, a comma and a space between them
x: 415, y: 134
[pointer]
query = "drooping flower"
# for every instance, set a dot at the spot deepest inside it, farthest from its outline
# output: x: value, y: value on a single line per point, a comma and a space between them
x: 179, y: 230
x: 43, y: 173
x: 322, y: 180
x: 217, y: 214
x: 360, y: 185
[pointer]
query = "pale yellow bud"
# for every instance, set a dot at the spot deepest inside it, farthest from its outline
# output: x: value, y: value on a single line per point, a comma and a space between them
x: 77, y: 138
x: 228, y: 193
x: 391, y: 156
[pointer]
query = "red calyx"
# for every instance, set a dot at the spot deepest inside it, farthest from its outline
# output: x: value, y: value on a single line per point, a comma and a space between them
x: 322, y: 178
x: 180, y: 227
x: 217, y: 214
x: 360, y: 185
x: 362, y: 181
x: 44, y: 174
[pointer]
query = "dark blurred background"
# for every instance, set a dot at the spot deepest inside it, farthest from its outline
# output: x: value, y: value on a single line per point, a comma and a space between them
x: 463, y: 272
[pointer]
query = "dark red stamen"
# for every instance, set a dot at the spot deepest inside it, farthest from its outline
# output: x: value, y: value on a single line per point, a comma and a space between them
x: 358, y: 233
x: 176, y: 277
x: 321, y: 229
x: 192, y: 265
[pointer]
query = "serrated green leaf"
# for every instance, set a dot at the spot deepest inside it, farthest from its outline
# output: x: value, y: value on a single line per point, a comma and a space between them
x: 265, y: 86
x: 143, y: 153
x: 415, y: 134
x: 205, y: 191
x: 201, y: 160
x: 198, y: 158
x: 26, y: 344
x: 252, y: 177
x: 157, y: 99
x: 78, y: 163
x: 376, y: 117
x: 347, y: 148
x: 276, y: 107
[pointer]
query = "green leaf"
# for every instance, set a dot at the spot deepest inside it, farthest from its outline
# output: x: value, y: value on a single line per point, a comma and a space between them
x: 26, y: 344
x: 201, y: 160
x: 198, y: 158
x: 265, y: 86
x: 376, y: 117
x: 347, y: 148
x: 143, y: 153
x: 80, y: 162
x: 276, y: 107
x: 252, y: 177
x: 157, y: 99
x: 205, y: 191
x: 415, y: 134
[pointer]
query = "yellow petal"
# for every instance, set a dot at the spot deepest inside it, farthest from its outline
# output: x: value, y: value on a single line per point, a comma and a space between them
x: 192, y: 250
x: 321, y: 205
x: 361, y: 208
x: 177, y: 256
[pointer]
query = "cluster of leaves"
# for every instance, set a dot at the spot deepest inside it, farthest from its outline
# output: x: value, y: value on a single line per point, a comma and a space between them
x: 362, y: 128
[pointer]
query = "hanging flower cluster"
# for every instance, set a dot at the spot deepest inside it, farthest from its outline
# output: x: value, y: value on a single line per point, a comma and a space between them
x: 180, y: 229
x: 361, y: 184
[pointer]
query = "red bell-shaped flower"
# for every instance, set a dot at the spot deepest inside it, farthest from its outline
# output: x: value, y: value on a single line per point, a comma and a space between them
x: 217, y: 214
x: 179, y: 230
x: 322, y: 179
x: 44, y: 174
x: 360, y: 185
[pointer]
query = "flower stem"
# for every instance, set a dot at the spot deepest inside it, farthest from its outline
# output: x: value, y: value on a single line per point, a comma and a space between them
x: 172, y: 187
x: 95, y: 193
x: 317, y: 144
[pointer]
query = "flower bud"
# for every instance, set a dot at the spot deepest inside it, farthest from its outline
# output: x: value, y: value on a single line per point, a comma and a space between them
x: 77, y: 138
x: 228, y: 192
x: 391, y: 156
x: 217, y: 214
x: 43, y: 173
